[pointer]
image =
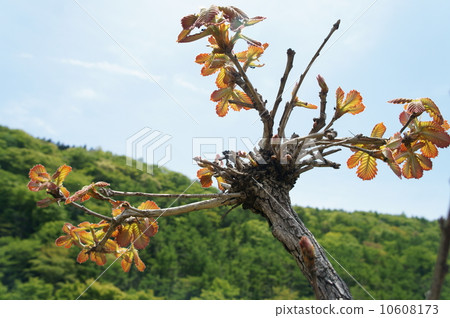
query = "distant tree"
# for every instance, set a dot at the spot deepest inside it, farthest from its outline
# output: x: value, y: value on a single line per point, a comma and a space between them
x: 260, y: 180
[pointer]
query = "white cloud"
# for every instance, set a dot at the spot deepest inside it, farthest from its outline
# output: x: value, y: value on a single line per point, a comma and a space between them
x: 112, y: 68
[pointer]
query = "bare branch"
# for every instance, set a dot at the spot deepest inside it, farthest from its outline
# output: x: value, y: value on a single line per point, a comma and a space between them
x: 290, y: 105
x: 111, y: 193
x: 248, y: 88
x: 191, y: 207
x: 259, y: 105
x: 289, y: 63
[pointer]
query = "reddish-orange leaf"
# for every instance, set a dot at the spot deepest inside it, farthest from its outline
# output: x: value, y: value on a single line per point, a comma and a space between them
x: 240, y: 96
x: 391, y: 162
x: 207, y: 70
x: 404, y: 117
x: 140, y: 240
x: 101, y: 184
x: 98, y: 258
x: 83, y: 256
x: 400, y: 101
x: 415, y: 107
x: 220, y: 80
x: 222, y: 107
x: 424, y: 162
x: 202, y: 58
x: 219, y: 94
x: 111, y: 246
x: 67, y: 228
x: 339, y: 96
x: 64, y: 240
x: 36, y: 186
x: 116, y: 212
x: 433, y: 132
x: 65, y: 192
x: 188, y: 21
x: 367, y: 168
x: 378, y: 131
x: 429, y: 150
x: 220, y: 180
x: 39, y: 173
x: 354, y: 159
x: 412, y: 167
x: 205, y: 176
x: 149, y: 227
x: 124, y: 237
x: 86, y: 192
x: 304, y: 104
x: 138, y: 262
x: 352, y: 104
x: 126, y: 265
x: 148, y: 205
x: 432, y: 110
x: 60, y: 174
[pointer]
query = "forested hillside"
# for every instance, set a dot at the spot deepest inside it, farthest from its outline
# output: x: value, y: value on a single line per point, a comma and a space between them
x: 195, y: 256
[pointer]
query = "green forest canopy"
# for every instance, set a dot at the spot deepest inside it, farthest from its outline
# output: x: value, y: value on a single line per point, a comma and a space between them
x: 193, y: 256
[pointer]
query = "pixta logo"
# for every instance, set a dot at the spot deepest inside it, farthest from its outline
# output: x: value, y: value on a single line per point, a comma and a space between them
x: 150, y: 147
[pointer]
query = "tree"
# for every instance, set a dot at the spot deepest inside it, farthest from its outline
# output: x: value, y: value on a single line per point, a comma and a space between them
x: 260, y: 180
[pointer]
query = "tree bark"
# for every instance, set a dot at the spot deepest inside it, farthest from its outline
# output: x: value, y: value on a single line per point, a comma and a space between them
x: 272, y: 201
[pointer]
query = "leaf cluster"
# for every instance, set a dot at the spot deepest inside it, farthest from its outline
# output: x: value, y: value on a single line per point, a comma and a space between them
x: 96, y: 240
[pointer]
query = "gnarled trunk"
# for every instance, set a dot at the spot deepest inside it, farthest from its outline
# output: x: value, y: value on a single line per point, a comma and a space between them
x: 271, y: 200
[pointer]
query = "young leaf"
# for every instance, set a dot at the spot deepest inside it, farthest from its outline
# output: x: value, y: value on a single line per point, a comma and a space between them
x: 300, y: 103
x: 432, y: 110
x: 205, y: 176
x: 148, y: 205
x: 83, y: 256
x: 39, y: 174
x: 223, y: 97
x: 251, y: 56
x: 87, y: 192
x: 140, y: 240
x: 60, y: 175
x: 389, y: 159
x: 367, y: 169
x: 138, y: 262
x: 431, y: 131
x: 352, y: 104
x: 378, y: 131
x: 98, y: 257
x: 355, y: 159
x: 429, y: 150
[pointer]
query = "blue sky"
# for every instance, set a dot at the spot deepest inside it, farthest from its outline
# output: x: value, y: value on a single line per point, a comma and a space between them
x: 64, y: 77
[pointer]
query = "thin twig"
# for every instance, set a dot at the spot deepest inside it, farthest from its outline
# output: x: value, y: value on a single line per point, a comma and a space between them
x: 90, y: 212
x: 289, y: 63
x: 290, y: 105
x: 229, y: 210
